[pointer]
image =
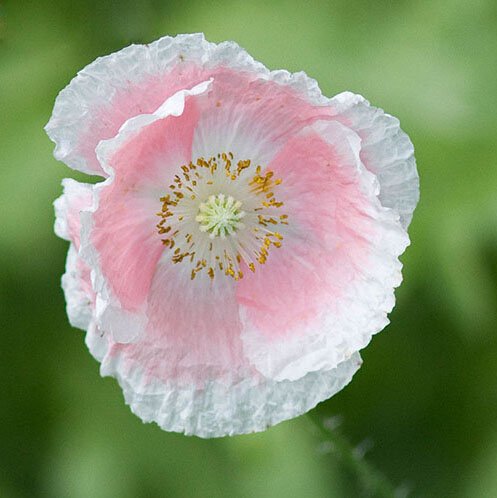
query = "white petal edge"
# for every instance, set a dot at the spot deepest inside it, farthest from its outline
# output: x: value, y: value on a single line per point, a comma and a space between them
x: 74, y: 194
x: 124, y: 326
x: 219, y: 410
x: 79, y: 305
x: 97, y: 84
x: 386, y: 151
x: 332, y: 337
x: 75, y: 198
x: 173, y: 106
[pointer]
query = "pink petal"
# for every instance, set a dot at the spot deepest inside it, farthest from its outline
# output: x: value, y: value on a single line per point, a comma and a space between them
x: 330, y: 286
x: 124, y: 232
x: 323, y: 199
x: 250, y: 117
x: 193, y: 333
x: 136, y: 80
x: 111, y: 90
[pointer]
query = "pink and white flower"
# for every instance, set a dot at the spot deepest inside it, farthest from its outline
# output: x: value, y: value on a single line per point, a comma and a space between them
x: 244, y: 244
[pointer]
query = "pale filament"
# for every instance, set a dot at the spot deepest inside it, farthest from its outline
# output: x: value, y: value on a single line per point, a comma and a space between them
x: 201, y: 217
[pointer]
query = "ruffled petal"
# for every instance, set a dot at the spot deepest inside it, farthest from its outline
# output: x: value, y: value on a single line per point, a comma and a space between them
x: 192, y: 335
x: 80, y: 298
x: 115, y: 88
x: 121, y: 243
x: 80, y: 303
x: 77, y: 197
x: 386, y: 151
x: 219, y: 409
x: 147, y: 145
x: 137, y: 80
x: 329, y: 288
x: 224, y: 395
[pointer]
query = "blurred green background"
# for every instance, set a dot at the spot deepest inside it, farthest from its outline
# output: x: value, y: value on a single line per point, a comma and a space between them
x: 425, y: 400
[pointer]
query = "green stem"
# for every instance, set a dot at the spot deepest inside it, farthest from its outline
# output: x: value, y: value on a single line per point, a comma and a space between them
x: 371, y: 479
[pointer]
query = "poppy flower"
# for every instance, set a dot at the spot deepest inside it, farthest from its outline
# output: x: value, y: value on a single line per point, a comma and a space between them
x: 243, y: 245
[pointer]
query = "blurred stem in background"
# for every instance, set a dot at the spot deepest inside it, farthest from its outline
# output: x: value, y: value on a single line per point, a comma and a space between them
x: 370, y: 479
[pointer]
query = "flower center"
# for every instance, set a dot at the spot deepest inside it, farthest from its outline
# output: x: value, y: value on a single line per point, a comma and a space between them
x: 220, y: 215
x: 201, y: 216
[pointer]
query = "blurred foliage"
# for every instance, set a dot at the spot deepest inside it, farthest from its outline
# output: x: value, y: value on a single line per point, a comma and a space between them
x: 426, y: 396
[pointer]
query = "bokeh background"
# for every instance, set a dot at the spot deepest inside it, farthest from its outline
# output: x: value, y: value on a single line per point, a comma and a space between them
x: 424, y: 404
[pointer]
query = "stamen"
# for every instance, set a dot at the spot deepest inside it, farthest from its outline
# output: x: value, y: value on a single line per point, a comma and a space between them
x: 202, y: 216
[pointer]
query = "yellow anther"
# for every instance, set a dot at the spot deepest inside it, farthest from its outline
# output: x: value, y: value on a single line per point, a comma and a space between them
x: 187, y: 242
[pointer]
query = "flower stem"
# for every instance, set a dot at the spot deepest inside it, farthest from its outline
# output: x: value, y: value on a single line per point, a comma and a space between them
x: 371, y: 480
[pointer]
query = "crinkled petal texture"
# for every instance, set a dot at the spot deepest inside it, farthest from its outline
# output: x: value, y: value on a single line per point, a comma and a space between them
x: 327, y: 188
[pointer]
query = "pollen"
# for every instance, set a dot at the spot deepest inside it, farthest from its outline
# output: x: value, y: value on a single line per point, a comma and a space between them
x: 221, y: 215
